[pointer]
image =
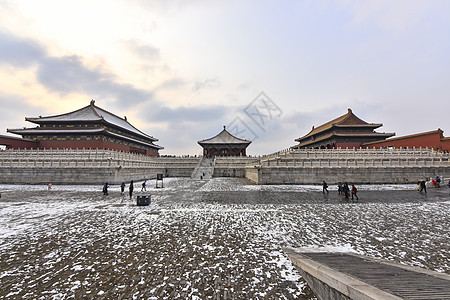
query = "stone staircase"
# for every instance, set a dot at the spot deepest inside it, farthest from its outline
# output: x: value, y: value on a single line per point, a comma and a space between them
x: 204, y: 170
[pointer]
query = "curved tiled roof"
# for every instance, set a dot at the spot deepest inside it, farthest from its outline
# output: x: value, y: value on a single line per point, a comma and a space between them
x: 330, y: 135
x: 224, y: 137
x: 45, y: 131
x: 349, y: 119
x: 92, y: 113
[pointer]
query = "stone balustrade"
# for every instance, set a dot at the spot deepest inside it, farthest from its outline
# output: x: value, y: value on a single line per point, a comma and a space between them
x: 356, y: 162
x: 88, y: 158
x: 92, y: 166
x: 357, y: 157
x: 289, y: 166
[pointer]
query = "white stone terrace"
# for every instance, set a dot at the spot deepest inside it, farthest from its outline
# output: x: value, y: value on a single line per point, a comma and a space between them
x: 356, y: 157
x: 88, y: 158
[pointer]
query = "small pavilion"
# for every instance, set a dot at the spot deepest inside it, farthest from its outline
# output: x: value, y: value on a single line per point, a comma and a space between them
x: 224, y: 144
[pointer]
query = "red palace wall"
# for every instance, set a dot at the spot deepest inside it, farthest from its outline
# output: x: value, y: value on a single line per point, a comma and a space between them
x: 12, y: 143
x: 347, y: 145
x: 432, y: 140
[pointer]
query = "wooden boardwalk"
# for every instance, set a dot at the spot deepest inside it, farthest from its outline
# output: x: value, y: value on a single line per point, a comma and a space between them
x: 359, y: 277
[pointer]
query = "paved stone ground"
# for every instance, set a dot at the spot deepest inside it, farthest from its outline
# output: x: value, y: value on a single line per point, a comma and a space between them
x: 219, y: 240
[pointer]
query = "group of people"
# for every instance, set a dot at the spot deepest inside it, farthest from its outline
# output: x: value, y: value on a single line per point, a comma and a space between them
x: 122, y: 188
x: 421, y: 185
x: 343, y: 189
x: 436, y: 182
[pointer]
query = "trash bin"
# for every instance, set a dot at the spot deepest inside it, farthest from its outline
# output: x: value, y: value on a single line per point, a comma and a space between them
x: 143, y: 200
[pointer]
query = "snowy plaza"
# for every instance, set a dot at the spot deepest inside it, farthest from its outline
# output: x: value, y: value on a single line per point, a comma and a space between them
x: 216, y: 239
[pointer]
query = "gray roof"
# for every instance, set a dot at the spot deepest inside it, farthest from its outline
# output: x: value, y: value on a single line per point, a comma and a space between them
x: 38, y: 130
x: 224, y: 137
x: 91, y: 113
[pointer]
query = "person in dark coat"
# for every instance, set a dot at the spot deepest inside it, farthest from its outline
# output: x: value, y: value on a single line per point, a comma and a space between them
x: 354, y: 191
x: 122, y: 188
x: 346, y: 190
x: 423, y: 186
x: 105, y: 189
x: 131, y: 188
x: 324, y: 187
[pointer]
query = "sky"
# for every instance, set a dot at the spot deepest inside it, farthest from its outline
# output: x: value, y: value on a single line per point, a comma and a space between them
x: 268, y: 70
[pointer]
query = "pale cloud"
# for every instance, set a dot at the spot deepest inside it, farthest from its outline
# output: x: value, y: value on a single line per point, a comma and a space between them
x: 207, y: 83
x: 143, y: 51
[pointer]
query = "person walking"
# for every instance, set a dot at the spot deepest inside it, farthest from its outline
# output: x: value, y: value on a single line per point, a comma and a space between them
x: 122, y: 188
x: 324, y: 187
x: 423, y: 186
x: 131, y: 188
x: 346, y: 190
x: 144, y: 186
x: 339, y: 188
x: 354, y: 191
x: 105, y: 189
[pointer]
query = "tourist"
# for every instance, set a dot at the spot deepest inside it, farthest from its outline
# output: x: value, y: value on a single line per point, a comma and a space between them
x: 144, y: 186
x: 419, y: 186
x: 423, y: 186
x: 122, y: 188
x: 346, y: 190
x: 49, y: 186
x: 438, y: 181
x: 339, y: 188
x: 448, y: 184
x: 105, y: 189
x: 324, y: 187
x: 434, y: 183
x: 354, y: 191
x: 131, y: 188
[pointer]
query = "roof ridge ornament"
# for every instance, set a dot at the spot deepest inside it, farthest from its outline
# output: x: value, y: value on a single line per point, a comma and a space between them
x: 92, y: 102
x: 349, y: 110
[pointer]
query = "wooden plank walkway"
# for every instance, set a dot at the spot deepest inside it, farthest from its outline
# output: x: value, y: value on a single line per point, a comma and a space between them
x: 345, y: 271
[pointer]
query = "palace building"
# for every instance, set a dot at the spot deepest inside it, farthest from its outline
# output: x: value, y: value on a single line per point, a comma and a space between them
x: 224, y: 144
x: 88, y: 127
x: 346, y: 131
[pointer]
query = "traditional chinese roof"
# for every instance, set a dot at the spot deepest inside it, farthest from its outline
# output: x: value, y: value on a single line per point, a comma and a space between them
x: 347, y: 120
x: 375, y: 135
x: 224, y: 137
x: 91, y: 113
x: 72, y: 131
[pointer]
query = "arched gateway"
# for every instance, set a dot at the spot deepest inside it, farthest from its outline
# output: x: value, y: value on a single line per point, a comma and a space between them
x: 224, y: 144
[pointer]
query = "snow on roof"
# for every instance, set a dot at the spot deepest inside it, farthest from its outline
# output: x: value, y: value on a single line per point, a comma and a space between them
x: 224, y: 137
x: 38, y: 130
x: 347, y: 120
x: 92, y: 113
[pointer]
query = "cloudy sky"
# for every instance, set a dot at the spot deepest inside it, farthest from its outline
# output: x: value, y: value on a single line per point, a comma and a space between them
x: 270, y: 70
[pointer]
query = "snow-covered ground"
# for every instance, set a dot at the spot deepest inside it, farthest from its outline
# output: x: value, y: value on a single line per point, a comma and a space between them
x: 199, y: 239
